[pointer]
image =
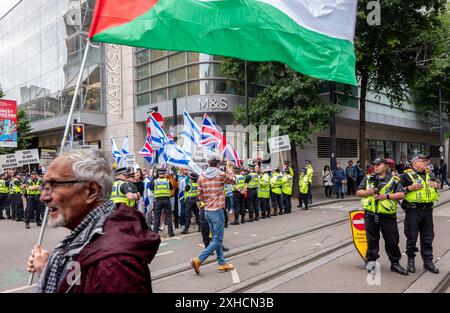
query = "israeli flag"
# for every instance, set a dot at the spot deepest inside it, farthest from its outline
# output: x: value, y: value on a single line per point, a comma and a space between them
x: 159, y: 138
x: 117, y: 156
x: 191, y: 134
x: 125, y: 150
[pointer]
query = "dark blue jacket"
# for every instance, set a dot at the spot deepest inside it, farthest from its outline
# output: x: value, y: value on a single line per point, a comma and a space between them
x: 339, y: 175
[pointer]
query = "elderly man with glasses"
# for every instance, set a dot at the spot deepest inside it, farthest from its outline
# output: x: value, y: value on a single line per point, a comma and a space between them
x: 110, y: 246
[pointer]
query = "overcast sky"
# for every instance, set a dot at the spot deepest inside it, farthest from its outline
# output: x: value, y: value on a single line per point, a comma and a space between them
x: 6, y: 6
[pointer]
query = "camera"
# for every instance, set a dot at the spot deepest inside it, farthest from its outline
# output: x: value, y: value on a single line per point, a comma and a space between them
x: 375, y: 183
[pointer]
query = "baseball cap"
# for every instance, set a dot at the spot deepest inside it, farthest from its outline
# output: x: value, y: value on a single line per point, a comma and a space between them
x: 419, y: 156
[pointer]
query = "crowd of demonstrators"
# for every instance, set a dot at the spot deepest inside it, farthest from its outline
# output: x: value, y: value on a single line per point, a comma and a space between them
x: 178, y: 198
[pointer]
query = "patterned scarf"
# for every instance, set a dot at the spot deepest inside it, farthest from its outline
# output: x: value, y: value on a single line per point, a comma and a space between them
x: 71, y: 246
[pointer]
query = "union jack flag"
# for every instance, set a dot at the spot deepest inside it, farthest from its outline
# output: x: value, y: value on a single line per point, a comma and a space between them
x: 147, y: 150
x: 212, y: 136
x: 214, y: 139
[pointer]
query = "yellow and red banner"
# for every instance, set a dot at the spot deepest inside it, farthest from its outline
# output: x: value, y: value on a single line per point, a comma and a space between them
x: 358, y: 232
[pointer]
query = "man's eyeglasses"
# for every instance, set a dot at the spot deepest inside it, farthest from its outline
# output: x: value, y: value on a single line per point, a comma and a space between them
x: 47, y: 186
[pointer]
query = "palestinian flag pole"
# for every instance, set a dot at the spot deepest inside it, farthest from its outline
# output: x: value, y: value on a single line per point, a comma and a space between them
x: 314, y: 38
x: 63, y: 143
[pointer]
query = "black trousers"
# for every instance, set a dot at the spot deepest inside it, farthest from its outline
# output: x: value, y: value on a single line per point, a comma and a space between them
x: 264, y: 203
x: 35, y: 208
x: 4, y: 205
x: 163, y: 204
x: 287, y: 204
x: 15, y: 200
x: 190, y: 206
x: 303, y: 199
x: 204, y: 226
x: 351, y: 187
x: 327, y: 191
x: 309, y: 193
x: 238, y: 205
x: 252, y: 200
x: 387, y: 225
x: 419, y: 221
x: 175, y: 210
x: 276, y: 202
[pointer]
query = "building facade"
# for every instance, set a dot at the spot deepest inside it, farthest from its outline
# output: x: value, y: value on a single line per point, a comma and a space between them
x: 41, y: 48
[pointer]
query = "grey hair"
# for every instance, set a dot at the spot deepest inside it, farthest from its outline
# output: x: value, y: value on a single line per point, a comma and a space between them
x: 92, y: 166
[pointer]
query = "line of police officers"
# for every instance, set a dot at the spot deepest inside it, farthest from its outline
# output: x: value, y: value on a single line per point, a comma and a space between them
x: 253, y: 192
x: 14, y: 188
x: 381, y: 193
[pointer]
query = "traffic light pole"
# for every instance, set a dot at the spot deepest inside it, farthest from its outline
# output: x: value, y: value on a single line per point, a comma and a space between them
x: 74, y: 99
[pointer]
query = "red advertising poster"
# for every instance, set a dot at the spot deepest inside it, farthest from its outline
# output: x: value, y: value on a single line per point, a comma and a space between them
x: 8, y: 123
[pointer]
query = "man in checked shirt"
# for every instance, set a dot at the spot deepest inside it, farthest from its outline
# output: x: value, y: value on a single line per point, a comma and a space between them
x: 211, y: 184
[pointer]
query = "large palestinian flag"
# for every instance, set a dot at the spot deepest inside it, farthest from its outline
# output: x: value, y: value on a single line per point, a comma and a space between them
x: 311, y: 36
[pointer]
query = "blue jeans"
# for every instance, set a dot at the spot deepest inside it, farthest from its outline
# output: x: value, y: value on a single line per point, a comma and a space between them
x: 216, y: 222
x: 338, y: 186
x: 181, y: 213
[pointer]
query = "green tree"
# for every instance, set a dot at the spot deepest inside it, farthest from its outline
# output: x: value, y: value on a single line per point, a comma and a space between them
x: 387, y: 53
x: 291, y: 101
x: 435, y: 72
x: 2, y: 94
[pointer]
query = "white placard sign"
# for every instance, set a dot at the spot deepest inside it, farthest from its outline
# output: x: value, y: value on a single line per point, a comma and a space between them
x: 8, y: 161
x: 27, y: 157
x: 278, y: 144
x: 131, y: 159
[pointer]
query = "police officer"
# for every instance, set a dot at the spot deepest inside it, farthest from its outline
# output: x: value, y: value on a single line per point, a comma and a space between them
x: 422, y: 192
x: 4, y: 195
x: 122, y: 190
x: 286, y: 190
x: 15, y: 198
x: 35, y: 208
x: 252, y: 184
x: 287, y: 168
x: 380, y: 194
x: 275, y: 192
x: 309, y: 173
x: 238, y: 197
x: 303, y: 189
x: 161, y: 188
x: 190, y: 202
x: 264, y: 193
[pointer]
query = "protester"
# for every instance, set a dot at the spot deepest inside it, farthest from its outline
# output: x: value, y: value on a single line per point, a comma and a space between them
x: 211, y: 186
x: 111, y: 243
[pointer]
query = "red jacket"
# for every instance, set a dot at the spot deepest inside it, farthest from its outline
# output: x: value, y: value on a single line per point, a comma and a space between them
x: 117, y: 261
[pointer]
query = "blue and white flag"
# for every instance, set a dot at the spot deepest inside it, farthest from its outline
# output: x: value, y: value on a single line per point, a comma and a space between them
x: 158, y: 136
x: 115, y: 152
x: 191, y: 134
x: 125, y: 150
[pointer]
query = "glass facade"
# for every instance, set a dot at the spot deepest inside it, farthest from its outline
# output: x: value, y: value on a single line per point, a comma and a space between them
x: 41, y: 47
x: 398, y: 151
x: 163, y: 75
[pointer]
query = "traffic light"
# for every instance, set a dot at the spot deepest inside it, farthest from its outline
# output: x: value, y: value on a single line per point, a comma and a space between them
x: 78, y: 133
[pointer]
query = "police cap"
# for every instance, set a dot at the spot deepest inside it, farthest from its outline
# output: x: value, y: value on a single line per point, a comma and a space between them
x: 419, y: 156
x: 119, y: 171
x: 380, y: 160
